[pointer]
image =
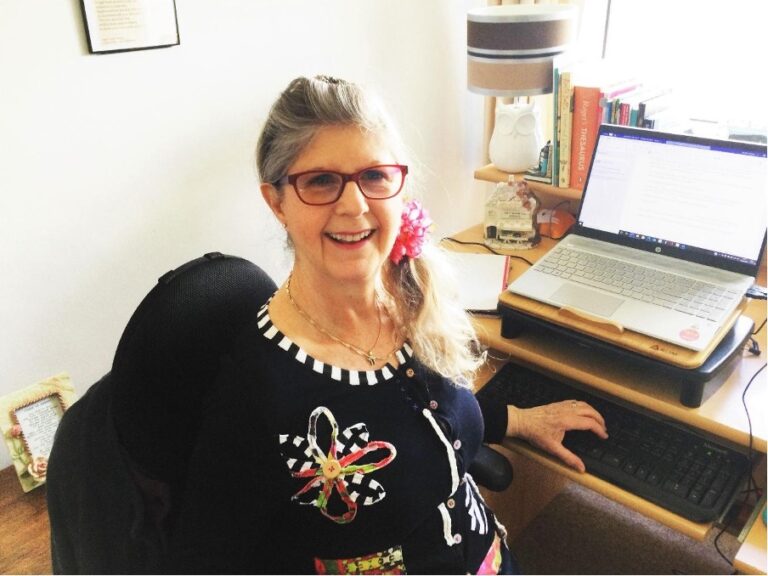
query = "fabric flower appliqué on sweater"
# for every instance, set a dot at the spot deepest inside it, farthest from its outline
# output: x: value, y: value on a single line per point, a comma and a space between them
x: 338, y: 478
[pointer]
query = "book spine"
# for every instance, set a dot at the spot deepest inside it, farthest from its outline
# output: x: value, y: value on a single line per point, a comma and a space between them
x: 586, y: 109
x: 564, y: 176
x: 624, y: 114
x: 640, y: 115
x: 615, y: 111
x: 554, y: 158
x: 607, y: 109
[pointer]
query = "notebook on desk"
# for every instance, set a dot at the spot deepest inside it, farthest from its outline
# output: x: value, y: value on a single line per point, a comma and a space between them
x: 667, y: 241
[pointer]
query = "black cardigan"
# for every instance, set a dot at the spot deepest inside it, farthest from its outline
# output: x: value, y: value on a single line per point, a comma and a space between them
x: 243, y: 510
x: 258, y: 501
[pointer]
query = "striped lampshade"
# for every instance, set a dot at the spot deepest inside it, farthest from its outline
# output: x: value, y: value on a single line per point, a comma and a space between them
x: 510, y: 48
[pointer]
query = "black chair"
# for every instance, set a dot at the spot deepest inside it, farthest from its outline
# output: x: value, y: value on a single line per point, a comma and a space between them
x: 118, y: 460
x: 491, y: 469
x: 117, y: 467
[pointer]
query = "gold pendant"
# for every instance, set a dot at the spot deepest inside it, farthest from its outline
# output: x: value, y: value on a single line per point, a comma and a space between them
x: 371, y: 358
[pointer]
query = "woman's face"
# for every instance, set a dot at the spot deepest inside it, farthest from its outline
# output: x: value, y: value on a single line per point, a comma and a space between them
x: 350, y: 239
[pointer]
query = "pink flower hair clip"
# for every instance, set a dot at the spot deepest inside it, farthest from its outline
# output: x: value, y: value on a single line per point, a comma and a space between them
x: 414, y: 226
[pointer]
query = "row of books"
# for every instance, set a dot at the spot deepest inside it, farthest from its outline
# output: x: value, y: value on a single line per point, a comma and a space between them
x: 583, y: 99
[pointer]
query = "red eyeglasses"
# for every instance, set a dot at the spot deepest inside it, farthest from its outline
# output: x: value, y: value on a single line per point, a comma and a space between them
x: 320, y: 187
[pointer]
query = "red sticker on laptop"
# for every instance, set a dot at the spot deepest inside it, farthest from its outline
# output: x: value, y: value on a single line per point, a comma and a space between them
x: 690, y: 334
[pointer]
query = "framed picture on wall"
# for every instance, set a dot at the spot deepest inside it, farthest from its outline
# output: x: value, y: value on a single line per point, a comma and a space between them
x: 29, y: 419
x: 121, y: 25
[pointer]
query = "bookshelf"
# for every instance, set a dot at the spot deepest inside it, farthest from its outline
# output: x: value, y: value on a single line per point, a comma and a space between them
x: 548, y: 194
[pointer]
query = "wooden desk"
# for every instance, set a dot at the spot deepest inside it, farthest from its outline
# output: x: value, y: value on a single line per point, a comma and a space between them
x: 25, y: 543
x: 751, y: 557
x: 721, y: 414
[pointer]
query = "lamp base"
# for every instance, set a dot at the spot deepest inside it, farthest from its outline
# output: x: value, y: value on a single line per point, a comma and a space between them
x: 516, y: 140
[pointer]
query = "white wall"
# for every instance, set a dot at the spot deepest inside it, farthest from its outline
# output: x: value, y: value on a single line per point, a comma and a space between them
x: 116, y: 168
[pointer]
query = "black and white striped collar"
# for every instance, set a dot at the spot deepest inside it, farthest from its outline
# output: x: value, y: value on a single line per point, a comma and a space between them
x: 351, y: 377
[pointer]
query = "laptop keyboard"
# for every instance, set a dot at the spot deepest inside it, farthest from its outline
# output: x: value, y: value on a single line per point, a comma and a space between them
x: 671, y: 466
x: 649, y: 285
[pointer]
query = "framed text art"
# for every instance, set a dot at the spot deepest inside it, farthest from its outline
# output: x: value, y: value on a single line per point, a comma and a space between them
x: 121, y: 25
x: 28, y: 421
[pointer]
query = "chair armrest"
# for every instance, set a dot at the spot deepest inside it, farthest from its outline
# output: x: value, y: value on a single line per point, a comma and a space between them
x: 491, y: 469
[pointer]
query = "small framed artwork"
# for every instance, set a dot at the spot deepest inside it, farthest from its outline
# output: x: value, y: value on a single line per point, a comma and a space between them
x: 121, y: 25
x: 29, y: 419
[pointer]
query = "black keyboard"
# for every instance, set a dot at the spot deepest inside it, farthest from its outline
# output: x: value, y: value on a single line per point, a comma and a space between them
x: 671, y: 466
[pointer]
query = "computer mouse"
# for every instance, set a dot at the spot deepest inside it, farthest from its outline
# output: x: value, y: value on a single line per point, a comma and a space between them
x: 554, y: 223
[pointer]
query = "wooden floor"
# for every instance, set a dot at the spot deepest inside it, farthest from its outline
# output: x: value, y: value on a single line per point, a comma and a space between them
x: 24, y: 528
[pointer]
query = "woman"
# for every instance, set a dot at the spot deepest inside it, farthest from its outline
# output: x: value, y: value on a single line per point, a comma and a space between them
x: 338, y: 441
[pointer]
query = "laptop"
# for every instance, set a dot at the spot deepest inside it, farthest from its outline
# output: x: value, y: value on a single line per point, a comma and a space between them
x: 678, y: 222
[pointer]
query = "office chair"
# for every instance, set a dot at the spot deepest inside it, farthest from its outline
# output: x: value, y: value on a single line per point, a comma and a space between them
x: 117, y: 466
x: 127, y: 442
x: 491, y: 469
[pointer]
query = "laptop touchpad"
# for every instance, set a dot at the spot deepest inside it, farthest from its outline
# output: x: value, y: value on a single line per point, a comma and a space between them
x: 585, y: 299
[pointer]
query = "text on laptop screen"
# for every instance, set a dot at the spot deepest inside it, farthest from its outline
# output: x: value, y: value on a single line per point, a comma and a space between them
x: 689, y: 194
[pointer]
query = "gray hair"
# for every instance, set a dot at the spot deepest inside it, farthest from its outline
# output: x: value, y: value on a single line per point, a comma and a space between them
x: 306, y: 105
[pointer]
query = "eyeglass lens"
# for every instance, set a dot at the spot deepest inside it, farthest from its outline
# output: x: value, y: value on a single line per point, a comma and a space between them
x: 377, y: 182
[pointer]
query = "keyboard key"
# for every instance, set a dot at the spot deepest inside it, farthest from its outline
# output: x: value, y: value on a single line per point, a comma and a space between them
x: 630, y: 466
x: 695, y: 495
x: 642, y: 472
x: 613, y: 458
x: 709, y: 499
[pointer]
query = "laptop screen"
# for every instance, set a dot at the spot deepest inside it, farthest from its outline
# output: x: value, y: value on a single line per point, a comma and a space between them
x: 694, y: 198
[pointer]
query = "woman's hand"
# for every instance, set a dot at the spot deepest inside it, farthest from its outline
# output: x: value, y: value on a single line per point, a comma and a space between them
x: 545, y: 426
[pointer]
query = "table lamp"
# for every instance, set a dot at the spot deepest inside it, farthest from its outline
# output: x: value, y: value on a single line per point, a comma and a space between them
x: 510, y: 52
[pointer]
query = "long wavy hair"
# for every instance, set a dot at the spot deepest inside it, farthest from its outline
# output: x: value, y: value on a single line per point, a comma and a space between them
x: 418, y: 293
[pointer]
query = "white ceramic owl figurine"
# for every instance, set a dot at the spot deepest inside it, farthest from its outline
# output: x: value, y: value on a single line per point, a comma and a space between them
x: 516, y: 142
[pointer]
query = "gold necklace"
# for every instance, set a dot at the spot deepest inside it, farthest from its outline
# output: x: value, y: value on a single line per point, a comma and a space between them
x: 372, y: 360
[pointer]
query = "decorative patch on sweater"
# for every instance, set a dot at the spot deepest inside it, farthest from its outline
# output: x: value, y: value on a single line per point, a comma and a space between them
x: 492, y: 561
x: 389, y: 561
x: 477, y: 516
x: 339, y: 476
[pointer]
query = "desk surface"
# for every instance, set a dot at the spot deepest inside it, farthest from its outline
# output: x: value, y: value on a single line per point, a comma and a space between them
x: 751, y: 557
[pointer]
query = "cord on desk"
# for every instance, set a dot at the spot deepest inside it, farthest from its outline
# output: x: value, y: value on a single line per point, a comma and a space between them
x: 717, y: 547
x: 746, y: 411
x: 752, y: 486
x: 754, y: 347
x: 756, y: 330
x: 465, y: 243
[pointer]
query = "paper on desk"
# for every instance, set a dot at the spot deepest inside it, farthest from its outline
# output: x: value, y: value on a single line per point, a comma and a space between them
x: 481, y: 278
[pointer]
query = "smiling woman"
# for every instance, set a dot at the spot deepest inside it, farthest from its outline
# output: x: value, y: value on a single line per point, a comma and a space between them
x: 345, y: 408
x: 355, y: 377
